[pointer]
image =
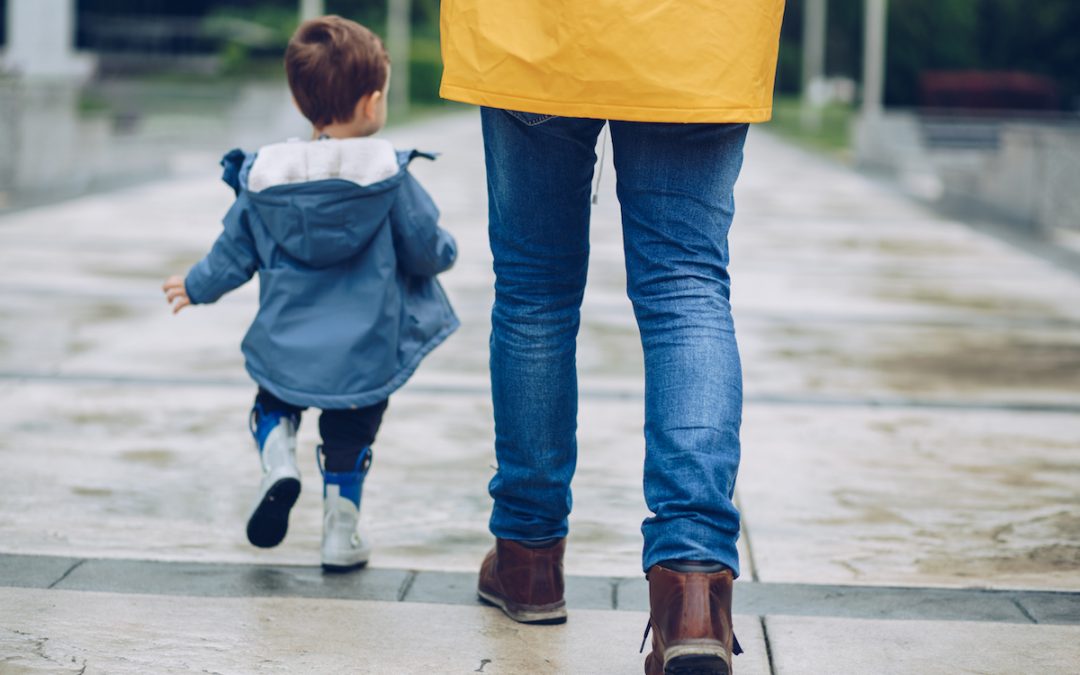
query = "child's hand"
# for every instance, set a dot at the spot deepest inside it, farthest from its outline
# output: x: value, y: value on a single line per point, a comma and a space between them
x: 175, y: 293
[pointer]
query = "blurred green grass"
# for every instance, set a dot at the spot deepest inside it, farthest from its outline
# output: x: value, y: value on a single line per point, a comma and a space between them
x: 832, y: 136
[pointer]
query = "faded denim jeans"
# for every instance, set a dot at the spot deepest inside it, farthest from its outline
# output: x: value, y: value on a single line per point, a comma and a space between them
x: 674, y: 184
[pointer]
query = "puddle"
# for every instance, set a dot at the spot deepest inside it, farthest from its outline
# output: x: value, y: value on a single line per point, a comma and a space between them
x: 152, y: 457
x: 108, y: 419
x: 91, y: 492
x: 862, y: 513
x: 77, y: 347
x: 973, y: 361
x: 1038, y: 560
x: 896, y: 427
x: 155, y: 273
x: 903, y: 247
x: 105, y: 311
x: 996, y: 304
x: 180, y: 262
x: 921, y: 360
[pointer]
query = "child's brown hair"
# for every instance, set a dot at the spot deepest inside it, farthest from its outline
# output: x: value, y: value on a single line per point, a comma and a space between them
x: 332, y: 63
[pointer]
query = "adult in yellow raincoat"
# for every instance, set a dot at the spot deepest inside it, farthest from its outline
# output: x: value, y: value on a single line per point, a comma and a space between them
x: 632, y: 60
x: 677, y: 82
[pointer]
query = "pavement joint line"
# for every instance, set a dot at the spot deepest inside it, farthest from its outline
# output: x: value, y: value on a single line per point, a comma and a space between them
x: 747, y: 315
x: 768, y: 645
x: 406, y: 585
x: 224, y: 580
x: 67, y: 573
x: 744, y: 528
x: 1040, y: 323
x: 880, y: 402
x: 1023, y: 610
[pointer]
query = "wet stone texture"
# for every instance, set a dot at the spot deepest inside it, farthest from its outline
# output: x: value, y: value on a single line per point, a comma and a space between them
x: 912, y: 387
x: 962, y: 465
x: 146, y: 413
x: 72, y: 632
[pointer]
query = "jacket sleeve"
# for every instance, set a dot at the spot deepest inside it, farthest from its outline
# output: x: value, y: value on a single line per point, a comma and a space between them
x: 231, y: 262
x: 423, y: 248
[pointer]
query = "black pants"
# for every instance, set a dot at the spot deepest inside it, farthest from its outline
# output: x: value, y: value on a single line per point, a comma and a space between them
x: 345, y: 433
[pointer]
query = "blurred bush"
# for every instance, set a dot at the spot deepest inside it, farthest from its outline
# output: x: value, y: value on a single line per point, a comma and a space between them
x: 425, y: 70
x: 250, y: 36
x: 1040, y: 37
x: 242, y: 39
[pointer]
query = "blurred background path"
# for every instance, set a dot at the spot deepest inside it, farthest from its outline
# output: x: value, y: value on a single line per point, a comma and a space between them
x: 911, y: 467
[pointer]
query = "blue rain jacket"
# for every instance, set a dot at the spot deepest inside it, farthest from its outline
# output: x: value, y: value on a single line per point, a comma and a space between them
x: 348, y: 300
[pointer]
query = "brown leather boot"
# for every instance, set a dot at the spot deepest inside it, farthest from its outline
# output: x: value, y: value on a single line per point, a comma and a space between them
x: 690, y: 619
x: 526, y: 583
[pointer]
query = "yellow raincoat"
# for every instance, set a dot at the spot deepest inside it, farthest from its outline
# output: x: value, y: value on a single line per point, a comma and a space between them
x: 634, y: 60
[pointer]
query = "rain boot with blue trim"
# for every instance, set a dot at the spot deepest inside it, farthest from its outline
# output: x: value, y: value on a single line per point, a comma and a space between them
x: 343, y: 548
x: 275, y: 437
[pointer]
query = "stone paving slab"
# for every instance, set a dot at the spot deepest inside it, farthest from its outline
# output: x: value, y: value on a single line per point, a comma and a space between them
x: 34, y: 571
x: 1041, y: 608
x: 911, y: 415
x: 913, y: 497
x: 73, y: 632
x: 954, y: 364
x: 582, y: 592
x: 806, y: 646
x: 460, y: 588
x: 193, y: 579
x: 190, y: 475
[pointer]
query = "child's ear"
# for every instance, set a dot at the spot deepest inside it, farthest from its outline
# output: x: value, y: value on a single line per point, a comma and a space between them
x: 371, y: 105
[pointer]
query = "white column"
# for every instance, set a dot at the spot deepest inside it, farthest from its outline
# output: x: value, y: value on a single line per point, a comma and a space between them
x: 41, y: 39
x: 813, y: 42
x: 399, y: 37
x: 309, y: 9
x: 874, y: 57
x: 813, y: 73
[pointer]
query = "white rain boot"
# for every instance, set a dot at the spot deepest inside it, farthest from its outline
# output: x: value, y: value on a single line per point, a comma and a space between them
x: 275, y: 436
x: 343, y: 548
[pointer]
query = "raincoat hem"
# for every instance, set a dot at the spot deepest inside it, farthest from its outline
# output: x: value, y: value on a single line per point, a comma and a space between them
x: 606, y: 111
x: 358, y: 399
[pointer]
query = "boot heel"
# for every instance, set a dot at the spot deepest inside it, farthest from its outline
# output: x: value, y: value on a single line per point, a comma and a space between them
x: 270, y: 521
x: 697, y: 665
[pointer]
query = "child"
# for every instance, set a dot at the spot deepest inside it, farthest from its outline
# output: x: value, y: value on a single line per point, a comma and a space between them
x: 347, y: 246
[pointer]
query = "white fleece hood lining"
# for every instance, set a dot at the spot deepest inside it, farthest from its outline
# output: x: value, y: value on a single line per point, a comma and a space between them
x: 363, y: 161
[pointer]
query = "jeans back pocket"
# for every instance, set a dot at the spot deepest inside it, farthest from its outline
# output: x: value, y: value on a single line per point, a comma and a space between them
x: 530, y: 119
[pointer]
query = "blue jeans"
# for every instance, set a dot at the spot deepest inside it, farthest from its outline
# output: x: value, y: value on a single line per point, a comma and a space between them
x: 674, y: 184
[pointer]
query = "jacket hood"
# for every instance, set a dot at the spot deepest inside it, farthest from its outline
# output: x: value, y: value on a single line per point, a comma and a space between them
x: 321, y: 201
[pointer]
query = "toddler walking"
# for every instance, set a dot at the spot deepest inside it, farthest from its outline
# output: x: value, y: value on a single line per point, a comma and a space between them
x: 347, y: 246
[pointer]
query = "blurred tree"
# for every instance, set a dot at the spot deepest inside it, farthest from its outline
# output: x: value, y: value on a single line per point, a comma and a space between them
x: 843, y: 44
x: 250, y: 35
x: 927, y: 35
x: 1040, y: 36
x: 171, y: 7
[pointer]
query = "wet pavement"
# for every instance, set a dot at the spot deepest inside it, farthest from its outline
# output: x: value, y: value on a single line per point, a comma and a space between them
x: 910, y: 484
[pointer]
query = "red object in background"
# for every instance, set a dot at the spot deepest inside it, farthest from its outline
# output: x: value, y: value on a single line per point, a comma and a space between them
x: 988, y: 90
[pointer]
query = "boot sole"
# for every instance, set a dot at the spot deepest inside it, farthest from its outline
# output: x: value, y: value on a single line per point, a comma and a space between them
x: 697, y: 664
x: 336, y: 564
x: 546, y: 616
x: 342, y: 569
x: 268, y: 524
